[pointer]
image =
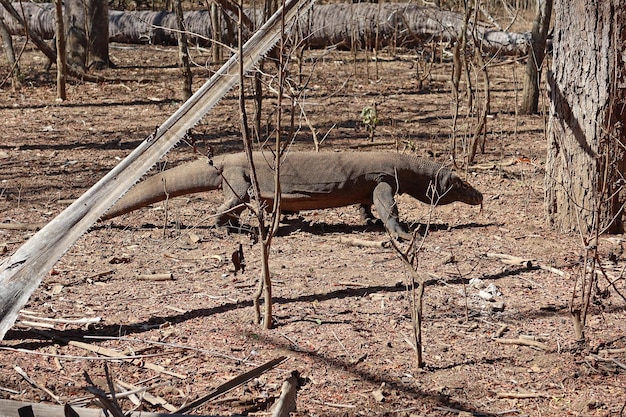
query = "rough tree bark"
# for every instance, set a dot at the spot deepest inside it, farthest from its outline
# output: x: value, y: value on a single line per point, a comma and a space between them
x: 87, y: 34
x: 586, y: 134
x: 7, y: 44
x: 536, y: 53
x: 376, y: 25
x: 183, y: 52
x: 61, y: 52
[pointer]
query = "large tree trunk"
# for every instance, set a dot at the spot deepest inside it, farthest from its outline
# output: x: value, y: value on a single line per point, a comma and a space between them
x: 586, y: 134
x: 87, y: 34
x: 98, y: 34
x: 387, y: 24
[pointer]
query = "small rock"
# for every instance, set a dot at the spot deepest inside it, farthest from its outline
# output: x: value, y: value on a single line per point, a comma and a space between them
x: 489, y: 292
x: 378, y: 395
x: 497, y: 307
x: 485, y: 295
x: 493, y: 290
x: 476, y: 283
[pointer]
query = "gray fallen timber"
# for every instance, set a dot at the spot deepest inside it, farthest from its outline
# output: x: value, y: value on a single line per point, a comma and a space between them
x: 11, y: 408
x: 344, y: 25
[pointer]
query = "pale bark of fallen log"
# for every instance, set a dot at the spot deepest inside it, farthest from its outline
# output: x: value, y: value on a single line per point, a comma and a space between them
x: 12, y: 408
x: 286, y: 403
x: 21, y: 273
x: 372, y: 25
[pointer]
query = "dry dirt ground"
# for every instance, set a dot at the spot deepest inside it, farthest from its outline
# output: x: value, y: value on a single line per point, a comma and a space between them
x: 342, y: 312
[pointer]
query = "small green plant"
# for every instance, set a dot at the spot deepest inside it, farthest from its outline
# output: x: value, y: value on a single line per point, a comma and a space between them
x: 370, y: 120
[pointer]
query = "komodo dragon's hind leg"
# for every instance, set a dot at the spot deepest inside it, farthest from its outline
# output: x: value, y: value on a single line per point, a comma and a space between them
x: 366, y: 214
x: 388, y: 210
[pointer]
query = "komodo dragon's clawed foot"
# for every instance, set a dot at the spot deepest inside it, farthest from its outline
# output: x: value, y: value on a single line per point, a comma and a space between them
x: 234, y: 227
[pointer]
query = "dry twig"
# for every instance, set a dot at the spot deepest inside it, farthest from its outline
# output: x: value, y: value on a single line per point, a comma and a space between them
x: 364, y: 243
x: 114, y: 353
x: 231, y: 384
x: 523, y: 342
x: 35, y: 384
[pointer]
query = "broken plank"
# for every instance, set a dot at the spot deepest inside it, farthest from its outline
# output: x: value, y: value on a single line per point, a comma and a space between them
x: 11, y: 408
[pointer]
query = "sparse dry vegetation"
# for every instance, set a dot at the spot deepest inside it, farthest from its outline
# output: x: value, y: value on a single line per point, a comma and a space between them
x: 497, y: 333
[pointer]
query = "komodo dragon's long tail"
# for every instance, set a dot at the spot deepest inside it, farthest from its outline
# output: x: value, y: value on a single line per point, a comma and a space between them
x: 189, y: 178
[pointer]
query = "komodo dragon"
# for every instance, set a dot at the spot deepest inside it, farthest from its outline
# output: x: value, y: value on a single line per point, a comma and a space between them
x: 310, y: 181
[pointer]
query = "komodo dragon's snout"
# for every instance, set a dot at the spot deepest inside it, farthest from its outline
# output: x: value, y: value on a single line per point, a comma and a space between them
x: 460, y: 190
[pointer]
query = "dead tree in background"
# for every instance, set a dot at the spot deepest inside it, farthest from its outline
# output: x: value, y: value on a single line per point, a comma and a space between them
x: 7, y: 44
x: 61, y: 52
x: 183, y: 51
x: 374, y: 25
x: 536, y: 53
x: 463, y: 64
x: 17, y: 24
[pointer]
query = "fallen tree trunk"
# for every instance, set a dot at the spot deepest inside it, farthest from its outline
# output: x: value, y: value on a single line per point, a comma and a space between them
x: 366, y: 25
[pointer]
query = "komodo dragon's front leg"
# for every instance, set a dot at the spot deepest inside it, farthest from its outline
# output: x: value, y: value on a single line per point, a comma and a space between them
x: 387, y: 209
x: 235, y: 186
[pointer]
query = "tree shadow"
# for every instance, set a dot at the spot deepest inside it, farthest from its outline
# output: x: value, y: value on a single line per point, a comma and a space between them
x: 39, y: 339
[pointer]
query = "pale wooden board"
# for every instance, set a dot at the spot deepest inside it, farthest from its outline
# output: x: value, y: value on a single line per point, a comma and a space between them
x: 10, y: 408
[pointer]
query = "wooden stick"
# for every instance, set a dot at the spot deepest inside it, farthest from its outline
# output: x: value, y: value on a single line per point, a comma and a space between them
x: 610, y: 351
x: 372, y: 144
x: 36, y: 384
x: 520, y: 395
x: 86, y: 320
x: 528, y: 263
x: 117, y: 354
x: 167, y: 276
x: 233, y: 383
x: 523, y: 342
x: 512, y: 260
x: 40, y: 325
x: 335, y: 405
x: 601, y: 359
x: 364, y: 243
x: 22, y: 226
x: 86, y: 358
x: 152, y: 399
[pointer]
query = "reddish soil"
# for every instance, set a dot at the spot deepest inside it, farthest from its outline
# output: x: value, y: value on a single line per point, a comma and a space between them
x: 342, y: 312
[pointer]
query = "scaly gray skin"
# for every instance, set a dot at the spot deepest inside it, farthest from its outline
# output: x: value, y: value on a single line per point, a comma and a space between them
x: 310, y: 181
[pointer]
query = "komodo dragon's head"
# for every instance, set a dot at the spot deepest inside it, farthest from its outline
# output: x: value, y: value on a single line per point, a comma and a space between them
x: 451, y: 188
